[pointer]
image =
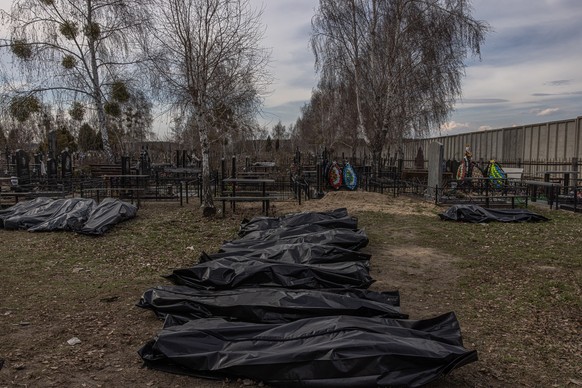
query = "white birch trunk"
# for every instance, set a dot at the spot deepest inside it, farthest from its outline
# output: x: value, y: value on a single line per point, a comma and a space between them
x: 207, y: 201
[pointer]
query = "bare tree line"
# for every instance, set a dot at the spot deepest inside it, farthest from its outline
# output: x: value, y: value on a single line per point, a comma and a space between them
x: 201, y: 56
x: 388, y: 69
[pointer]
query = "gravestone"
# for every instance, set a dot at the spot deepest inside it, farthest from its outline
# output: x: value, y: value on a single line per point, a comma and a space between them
x: 435, y: 168
x: 37, y: 171
x: 145, y: 163
x: 67, y: 170
x: 125, y: 165
x: 52, y: 171
x: 454, y: 167
x: 22, y: 167
x: 125, y: 170
x: 180, y: 158
x: 52, y: 144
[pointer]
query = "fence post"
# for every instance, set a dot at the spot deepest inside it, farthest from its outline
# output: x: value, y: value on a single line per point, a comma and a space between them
x: 298, y: 191
x: 318, y: 173
x: 181, y: 196
x: 233, y: 175
x: 200, y: 187
x: 487, y: 183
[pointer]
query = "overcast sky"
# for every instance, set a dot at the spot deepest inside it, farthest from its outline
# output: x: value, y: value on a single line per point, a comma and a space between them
x: 530, y: 71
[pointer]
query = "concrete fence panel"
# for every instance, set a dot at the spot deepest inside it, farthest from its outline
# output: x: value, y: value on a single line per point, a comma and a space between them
x: 532, y: 145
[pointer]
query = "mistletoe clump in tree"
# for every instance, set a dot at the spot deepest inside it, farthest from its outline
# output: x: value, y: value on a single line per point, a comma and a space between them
x: 70, y: 50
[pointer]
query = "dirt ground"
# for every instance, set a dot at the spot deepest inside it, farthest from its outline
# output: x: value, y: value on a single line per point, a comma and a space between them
x: 37, y: 320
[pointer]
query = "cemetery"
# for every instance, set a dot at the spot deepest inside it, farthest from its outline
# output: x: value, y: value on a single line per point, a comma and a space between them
x: 157, y: 230
x: 310, y: 239
x: 299, y: 245
x: 419, y: 169
x: 407, y: 250
x: 25, y: 177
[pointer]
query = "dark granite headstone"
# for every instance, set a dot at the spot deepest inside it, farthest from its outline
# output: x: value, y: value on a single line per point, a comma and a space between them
x: 145, y: 164
x: 37, y: 171
x: 66, y: 165
x: 52, y: 144
x: 52, y: 171
x: 67, y: 170
x: 125, y: 165
x: 22, y: 167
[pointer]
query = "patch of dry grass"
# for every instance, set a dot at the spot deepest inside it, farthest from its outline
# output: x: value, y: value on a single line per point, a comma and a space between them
x: 519, y: 295
x: 514, y: 287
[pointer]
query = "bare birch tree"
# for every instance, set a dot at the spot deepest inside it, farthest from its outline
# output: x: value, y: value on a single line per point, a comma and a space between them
x: 73, y: 49
x: 207, y: 62
x: 405, y: 59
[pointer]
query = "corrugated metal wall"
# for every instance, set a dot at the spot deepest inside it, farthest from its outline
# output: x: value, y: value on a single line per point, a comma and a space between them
x: 534, y: 147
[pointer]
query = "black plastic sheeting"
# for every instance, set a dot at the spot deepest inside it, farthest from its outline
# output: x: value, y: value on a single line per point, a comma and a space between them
x: 301, y: 253
x: 337, y: 351
x: 478, y: 214
x: 242, y: 272
x: 107, y: 214
x: 338, y: 218
x: 269, y: 305
x: 290, y: 232
x: 343, y: 238
x: 73, y: 214
x: 287, y: 304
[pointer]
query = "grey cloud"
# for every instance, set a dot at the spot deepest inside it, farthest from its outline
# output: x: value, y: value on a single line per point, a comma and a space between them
x: 287, y: 112
x: 560, y: 82
x: 302, y: 57
x: 511, y: 46
x: 577, y: 93
x: 292, y: 8
x: 307, y: 80
x: 546, y: 112
x: 507, y: 115
x: 483, y: 100
x: 302, y: 31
